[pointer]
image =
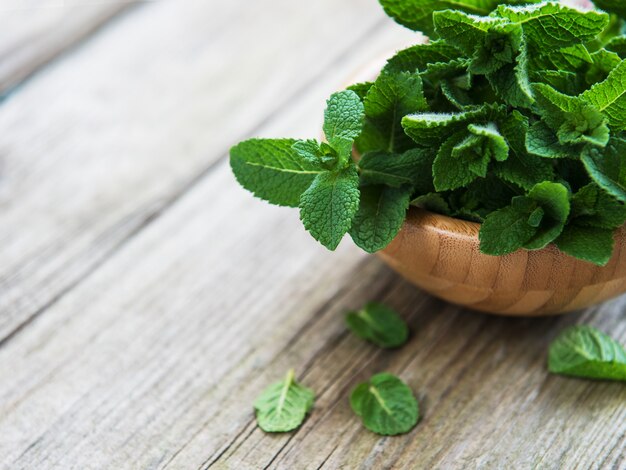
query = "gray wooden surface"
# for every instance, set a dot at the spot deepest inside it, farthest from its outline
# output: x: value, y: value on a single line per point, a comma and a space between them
x: 145, y: 299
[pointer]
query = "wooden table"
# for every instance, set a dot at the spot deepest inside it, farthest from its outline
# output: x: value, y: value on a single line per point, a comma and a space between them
x: 146, y: 299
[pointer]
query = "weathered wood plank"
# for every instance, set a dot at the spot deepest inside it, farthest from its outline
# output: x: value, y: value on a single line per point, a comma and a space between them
x: 33, y: 33
x: 89, y: 169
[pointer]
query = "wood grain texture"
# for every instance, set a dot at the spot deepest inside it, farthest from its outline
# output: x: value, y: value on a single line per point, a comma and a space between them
x: 169, y: 297
x: 34, y: 32
x: 442, y: 256
x: 163, y: 93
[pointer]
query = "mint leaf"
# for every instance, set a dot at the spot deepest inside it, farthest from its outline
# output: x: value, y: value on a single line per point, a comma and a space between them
x: 583, y: 351
x: 543, y: 142
x: 343, y: 122
x: 609, y: 97
x: 462, y: 30
x: 316, y: 153
x: 594, y: 207
x: 433, y: 202
x: 329, y: 205
x: 393, y: 96
x: 457, y: 164
x: 413, y: 168
x: 378, y: 324
x: 608, y: 167
x: 282, y: 406
x: 273, y: 170
x: 361, y: 89
x: 381, y: 213
x: 592, y: 244
x: 553, y: 198
x: 418, y: 57
x: 506, y: 230
x: 551, y: 25
x: 386, y: 405
x: 612, y: 6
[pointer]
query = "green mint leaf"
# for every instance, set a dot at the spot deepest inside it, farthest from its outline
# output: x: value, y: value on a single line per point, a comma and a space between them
x: 273, y: 170
x: 512, y: 83
x: 617, y: 45
x: 386, y: 405
x: 553, y: 198
x: 361, y: 89
x: 612, y: 6
x: 594, y: 207
x: 393, y: 96
x: 381, y: 213
x: 463, y: 31
x: 418, y: 57
x: 329, y: 205
x: 491, y: 141
x: 343, y: 122
x: 282, y: 406
x: 583, y: 351
x: 609, y: 97
x: 433, y: 202
x: 505, y: 231
x: 378, y: 324
x: 591, y: 244
x: 607, y: 167
x: 603, y: 62
x: 543, y: 142
x: 316, y: 153
x: 551, y: 25
x: 457, y: 164
x: 413, y: 167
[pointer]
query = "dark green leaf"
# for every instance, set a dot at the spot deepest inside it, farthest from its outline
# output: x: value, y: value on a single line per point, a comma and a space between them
x: 378, y: 324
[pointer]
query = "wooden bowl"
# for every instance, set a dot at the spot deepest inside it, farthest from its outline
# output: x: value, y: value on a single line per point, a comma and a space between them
x: 441, y: 255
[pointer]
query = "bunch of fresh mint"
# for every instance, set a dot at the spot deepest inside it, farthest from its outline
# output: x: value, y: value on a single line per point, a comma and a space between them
x: 513, y: 115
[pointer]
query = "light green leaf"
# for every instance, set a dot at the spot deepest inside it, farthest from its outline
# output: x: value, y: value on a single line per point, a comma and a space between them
x: 418, y: 57
x: 463, y: 31
x: 378, y: 324
x: 273, y: 170
x: 343, y: 122
x: 316, y: 153
x: 551, y: 25
x: 607, y: 167
x: 543, y: 142
x: 386, y: 405
x: 328, y: 207
x: 583, y: 351
x: 382, y: 211
x: 282, y: 406
x: 413, y: 168
x: 609, y: 97
x: 591, y: 244
x: 393, y: 96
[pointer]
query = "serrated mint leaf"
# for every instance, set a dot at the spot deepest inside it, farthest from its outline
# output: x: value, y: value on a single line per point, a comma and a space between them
x: 500, y: 47
x: 386, y: 405
x: 413, y: 167
x: 418, y: 57
x: 378, y: 324
x: 583, y: 351
x: 594, y: 207
x: 607, y: 167
x: 591, y: 244
x: 433, y: 202
x: 457, y: 163
x: 551, y: 25
x: 463, y: 31
x: 543, y: 142
x: 553, y: 198
x: 329, y: 205
x: 603, y: 62
x: 609, y: 97
x: 273, y: 170
x: 343, y: 122
x: 491, y: 141
x: 393, y: 96
x: 382, y: 211
x: 282, y: 406
x: 505, y: 231
x: 316, y: 153
x: 512, y: 83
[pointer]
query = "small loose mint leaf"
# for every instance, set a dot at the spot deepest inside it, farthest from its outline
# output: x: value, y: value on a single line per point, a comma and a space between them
x: 612, y: 6
x: 583, y: 351
x: 505, y: 231
x: 314, y: 152
x: 463, y: 31
x: 417, y: 58
x: 553, y: 198
x: 591, y: 244
x: 607, y: 167
x: 543, y: 142
x: 551, y: 25
x: 328, y: 207
x: 343, y: 122
x: 594, y: 207
x: 393, y: 96
x: 433, y: 202
x: 609, y: 97
x: 282, y: 406
x: 457, y: 164
x: 382, y: 211
x: 273, y: 170
x: 386, y: 405
x: 378, y: 324
x: 413, y: 167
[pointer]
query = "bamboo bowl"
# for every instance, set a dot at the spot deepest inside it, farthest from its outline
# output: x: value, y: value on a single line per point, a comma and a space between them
x: 441, y: 255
